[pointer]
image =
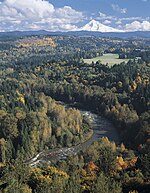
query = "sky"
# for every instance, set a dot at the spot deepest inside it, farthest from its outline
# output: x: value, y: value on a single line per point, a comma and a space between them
x: 68, y: 15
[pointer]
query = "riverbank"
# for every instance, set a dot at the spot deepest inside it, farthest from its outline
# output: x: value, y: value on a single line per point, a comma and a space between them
x: 101, y: 127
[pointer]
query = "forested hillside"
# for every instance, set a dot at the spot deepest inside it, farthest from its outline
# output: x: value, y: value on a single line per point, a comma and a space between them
x: 37, y: 73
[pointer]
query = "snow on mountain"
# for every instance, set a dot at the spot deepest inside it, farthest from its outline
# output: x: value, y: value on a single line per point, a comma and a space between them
x: 94, y: 25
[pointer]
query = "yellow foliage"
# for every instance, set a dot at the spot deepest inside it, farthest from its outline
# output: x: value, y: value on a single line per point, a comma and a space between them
x: 45, y: 178
x: 26, y: 189
x: 51, y: 42
x: 78, y: 128
x: 53, y: 170
x: 119, y: 84
x: 35, y: 41
x: 46, y: 133
x: 134, y: 85
x: 113, y: 146
x: 120, y: 160
x: 83, y: 172
x: 2, y: 141
x: 115, y: 110
x: 35, y: 137
x: 2, y: 164
x: 112, y: 49
x: 105, y: 140
x: 122, y: 147
x: 38, y: 68
x: 46, y: 174
x: 130, y: 89
x: 20, y: 97
x: 138, y: 79
x: 36, y: 170
x: 146, y: 81
x: 121, y: 164
x: 58, y: 131
x: 20, y: 115
x: 2, y: 113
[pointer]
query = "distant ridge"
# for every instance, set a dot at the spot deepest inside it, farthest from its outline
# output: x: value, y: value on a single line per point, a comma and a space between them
x: 136, y: 34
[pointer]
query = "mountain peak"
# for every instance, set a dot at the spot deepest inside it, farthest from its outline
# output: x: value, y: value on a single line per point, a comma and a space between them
x: 93, y: 21
x: 94, y: 25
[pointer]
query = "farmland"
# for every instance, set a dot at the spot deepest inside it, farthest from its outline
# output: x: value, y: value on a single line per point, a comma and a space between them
x: 109, y: 59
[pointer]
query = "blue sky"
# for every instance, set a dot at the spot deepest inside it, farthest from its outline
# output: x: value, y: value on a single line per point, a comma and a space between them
x: 134, y: 7
x: 65, y: 15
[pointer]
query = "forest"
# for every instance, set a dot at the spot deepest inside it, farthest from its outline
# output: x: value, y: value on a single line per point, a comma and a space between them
x: 41, y: 73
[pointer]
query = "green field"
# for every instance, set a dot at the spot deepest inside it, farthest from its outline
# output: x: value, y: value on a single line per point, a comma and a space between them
x: 111, y: 59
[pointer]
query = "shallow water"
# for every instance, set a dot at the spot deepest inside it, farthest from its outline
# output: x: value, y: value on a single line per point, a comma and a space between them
x: 101, y: 128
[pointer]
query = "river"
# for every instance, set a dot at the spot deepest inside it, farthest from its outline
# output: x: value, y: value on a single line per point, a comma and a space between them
x: 101, y: 128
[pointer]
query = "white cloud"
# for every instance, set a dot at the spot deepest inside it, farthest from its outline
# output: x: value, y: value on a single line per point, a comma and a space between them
x: 138, y: 26
x: 37, y: 14
x: 118, y: 9
x: 118, y: 22
x: 68, y: 13
x: 103, y: 16
x: 107, y: 22
x: 42, y: 15
x: 131, y: 19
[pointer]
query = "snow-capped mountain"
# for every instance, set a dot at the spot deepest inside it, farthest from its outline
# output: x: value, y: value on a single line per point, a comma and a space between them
x: 94, y: 25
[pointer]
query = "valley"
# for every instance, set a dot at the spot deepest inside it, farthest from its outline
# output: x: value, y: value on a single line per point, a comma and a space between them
x: 69, y: 124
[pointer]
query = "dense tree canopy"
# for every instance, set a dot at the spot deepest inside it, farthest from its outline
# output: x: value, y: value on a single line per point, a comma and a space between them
x: 39, y: 72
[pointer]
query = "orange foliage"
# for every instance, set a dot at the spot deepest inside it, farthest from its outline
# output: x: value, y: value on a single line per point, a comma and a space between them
x: 132, y: 162
x: 24, y: 45
x: 91, y: 166
x: 148, y: 140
